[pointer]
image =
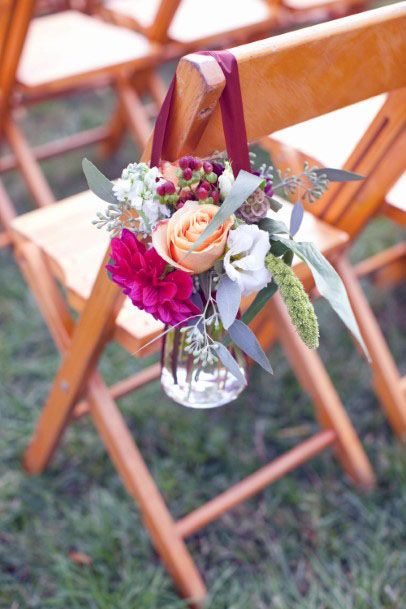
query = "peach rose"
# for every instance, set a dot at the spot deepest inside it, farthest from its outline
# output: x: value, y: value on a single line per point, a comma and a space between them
x: 174, y: 238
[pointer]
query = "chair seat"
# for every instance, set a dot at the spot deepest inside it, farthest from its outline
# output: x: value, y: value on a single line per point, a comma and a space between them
x: 75, y: 250
x: 215, y: 18
x: 68, y: 46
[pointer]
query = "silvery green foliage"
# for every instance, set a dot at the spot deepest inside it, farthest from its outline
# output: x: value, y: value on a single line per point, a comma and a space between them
x: 309, y: 185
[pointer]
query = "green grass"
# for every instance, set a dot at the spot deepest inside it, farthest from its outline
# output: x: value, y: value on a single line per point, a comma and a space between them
x: 311, y: 541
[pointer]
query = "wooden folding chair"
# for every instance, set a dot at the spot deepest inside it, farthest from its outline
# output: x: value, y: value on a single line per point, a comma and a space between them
x: 57, y: 243
x: 182, y: 26
x: 368, y: 138
x: 221, y: 23
x: 306, y: 11
x: 59, y: 54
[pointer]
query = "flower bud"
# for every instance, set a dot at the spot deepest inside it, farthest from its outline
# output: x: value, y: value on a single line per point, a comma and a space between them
x: 207, y: 167
x: 187, y: 173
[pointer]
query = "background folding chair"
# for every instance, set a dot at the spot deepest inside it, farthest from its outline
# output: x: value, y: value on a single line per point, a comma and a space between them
x: 368, y: 138
x: 306, y: 11
x: 177, y: 23
x: 174, y: 21
x: 60, y: 54
x: 49, y: 244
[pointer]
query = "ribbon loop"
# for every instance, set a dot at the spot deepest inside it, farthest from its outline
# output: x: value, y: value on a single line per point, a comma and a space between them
x: 232, y: 115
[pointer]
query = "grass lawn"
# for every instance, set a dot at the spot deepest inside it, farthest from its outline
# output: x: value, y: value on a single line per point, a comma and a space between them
x: 311, y: 541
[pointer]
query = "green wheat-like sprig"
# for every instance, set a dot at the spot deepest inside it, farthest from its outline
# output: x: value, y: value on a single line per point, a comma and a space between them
x: 297, y: 302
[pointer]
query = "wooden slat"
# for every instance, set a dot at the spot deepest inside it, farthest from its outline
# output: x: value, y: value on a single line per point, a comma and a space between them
x: 212, y: 510
x: 14, y: 39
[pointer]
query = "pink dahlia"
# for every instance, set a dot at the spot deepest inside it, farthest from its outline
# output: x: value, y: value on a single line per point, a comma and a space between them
x: 141, y: 272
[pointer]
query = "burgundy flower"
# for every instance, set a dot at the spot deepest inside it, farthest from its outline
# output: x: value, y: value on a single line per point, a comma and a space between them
x: 141, y: 272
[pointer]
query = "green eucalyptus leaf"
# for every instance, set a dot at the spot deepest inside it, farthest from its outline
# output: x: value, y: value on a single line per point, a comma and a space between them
x: 338, y: 175
x: 243, y: 187
x: 229, y: 362
x: 259, y: 302
x: 228, y: 299
x: 273, y: 227
x: 98, y: 183
x: 246, y: 340
x: 328, y: 283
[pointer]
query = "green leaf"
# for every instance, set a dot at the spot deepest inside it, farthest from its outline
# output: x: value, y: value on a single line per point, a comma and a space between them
x: 339, y: 175
x: 229, y: 362
x: 274, y: 227
x: 246, y: 340
x: 259, y: 302
x: 228, y: 298
x: 98, y: 183
x: 329, y: 284
x: 243, y: 187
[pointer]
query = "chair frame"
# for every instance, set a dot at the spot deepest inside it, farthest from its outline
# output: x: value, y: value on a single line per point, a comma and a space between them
x: 380, y: 156
x: 127, y: 86
x: 195, y: 128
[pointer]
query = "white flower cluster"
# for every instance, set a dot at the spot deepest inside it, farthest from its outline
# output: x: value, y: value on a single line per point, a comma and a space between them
x: 138, y: 188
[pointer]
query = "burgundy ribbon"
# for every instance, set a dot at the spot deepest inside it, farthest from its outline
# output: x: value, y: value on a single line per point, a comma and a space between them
x: 232, y: 114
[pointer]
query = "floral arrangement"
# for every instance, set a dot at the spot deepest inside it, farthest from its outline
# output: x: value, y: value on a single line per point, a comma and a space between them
x: 190, y: 241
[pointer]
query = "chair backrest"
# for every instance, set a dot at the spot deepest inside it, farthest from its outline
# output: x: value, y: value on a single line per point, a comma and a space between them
x: 291, y: 78
x: 15, y: 19
x: 163, y: 19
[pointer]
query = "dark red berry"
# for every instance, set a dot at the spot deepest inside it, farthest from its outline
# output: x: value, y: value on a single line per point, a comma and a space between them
x: 195, y: 163
x: 161, y: 190
x: 184, y: 162
x: 170, y: 188
x: 202, y: 193
x: 207, y: 166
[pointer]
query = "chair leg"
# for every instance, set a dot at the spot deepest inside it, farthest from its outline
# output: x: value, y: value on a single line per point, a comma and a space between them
x: 134, y: 113
x: 89, y: 337
x: 387, y: 380
x: 7, y: 213
x: 33, y: 176
x: 140, y: 485
x: 330, y: 411
x: 116, y: 128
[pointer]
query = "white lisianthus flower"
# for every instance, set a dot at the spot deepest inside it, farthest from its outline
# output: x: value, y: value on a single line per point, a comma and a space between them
x: 244, y: 261
x: 226, y: 180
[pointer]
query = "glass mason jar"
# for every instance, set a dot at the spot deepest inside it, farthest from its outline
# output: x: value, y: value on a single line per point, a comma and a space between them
x: 194, y: 385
